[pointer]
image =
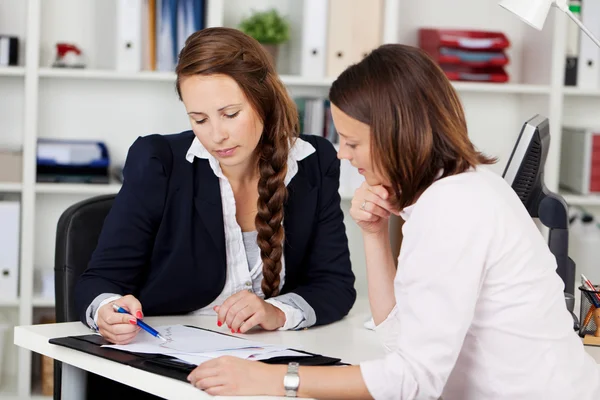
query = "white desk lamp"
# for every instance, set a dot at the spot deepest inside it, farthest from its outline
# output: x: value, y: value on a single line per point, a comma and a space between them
x: 534, y: 13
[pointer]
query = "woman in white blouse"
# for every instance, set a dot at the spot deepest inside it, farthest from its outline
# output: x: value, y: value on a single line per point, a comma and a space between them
x: 475, y: 310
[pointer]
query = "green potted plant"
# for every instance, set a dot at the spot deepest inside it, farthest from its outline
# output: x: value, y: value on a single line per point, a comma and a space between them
x: 269, y: 28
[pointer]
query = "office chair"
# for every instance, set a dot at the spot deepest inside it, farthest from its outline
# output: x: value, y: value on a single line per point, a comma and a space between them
x: 77, y: 234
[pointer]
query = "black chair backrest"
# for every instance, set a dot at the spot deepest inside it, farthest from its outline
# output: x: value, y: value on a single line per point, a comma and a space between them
x: 77, y: 235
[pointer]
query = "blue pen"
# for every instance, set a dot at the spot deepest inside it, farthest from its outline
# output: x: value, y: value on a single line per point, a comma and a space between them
x: 140, y: 323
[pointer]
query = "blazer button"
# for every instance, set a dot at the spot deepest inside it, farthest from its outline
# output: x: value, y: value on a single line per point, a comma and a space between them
x: 248, y: 283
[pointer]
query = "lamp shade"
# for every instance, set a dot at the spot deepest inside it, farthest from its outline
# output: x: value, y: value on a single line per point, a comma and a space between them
x: 533, y: 12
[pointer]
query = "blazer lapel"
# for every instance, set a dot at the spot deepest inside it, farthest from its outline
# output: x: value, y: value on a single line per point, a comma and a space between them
x: 207, y: 200
x: 298, y: 219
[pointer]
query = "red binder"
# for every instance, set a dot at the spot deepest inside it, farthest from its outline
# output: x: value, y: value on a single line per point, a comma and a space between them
x: 430, y: 38
x: 471, y: 58
x: 471, y: 74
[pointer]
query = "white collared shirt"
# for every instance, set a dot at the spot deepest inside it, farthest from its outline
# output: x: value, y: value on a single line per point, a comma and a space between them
x: 241, y: 276
x: 480, y: 312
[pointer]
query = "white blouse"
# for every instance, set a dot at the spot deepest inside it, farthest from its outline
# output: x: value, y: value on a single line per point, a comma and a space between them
x: 480, y: 312
x: 240, y: 275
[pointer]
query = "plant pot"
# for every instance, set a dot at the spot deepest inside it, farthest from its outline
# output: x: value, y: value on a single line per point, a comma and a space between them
x: 273, y: 50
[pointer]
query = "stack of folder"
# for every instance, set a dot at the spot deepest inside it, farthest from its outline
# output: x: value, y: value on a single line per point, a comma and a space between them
x: 467, y: 55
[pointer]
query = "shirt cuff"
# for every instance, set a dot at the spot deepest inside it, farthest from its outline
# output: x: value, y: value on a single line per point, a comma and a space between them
x: 371, y: 374
x: 92, y: 310
x: 388, y: 331
x: 293, y: 316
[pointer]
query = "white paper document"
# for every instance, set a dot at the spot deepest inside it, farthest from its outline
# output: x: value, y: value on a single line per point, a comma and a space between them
x: 247, y: 354
x: 197, y: 345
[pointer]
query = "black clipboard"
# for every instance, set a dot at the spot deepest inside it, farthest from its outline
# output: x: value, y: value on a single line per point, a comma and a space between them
x: 166, y: 365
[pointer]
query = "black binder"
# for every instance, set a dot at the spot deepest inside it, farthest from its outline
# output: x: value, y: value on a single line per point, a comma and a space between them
x: 166, y: 365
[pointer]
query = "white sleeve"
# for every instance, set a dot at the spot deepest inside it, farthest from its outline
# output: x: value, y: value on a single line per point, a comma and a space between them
x: 440, y: 270
x: 388, y: 331
x: 103, y: 302
x: 293, y: 316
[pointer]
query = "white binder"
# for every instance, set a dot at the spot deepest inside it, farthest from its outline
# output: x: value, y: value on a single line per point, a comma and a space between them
x: 129, y: 35
x: 314, y: 38
x: 4, y: 50
x: 588, y: 69
x: 10, y: 219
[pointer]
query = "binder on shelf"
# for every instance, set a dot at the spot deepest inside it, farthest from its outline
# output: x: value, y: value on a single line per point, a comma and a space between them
x: 10, y: 215
x: 190, y: 18
x: 339, y: 37
x: 346, y: 44
x: 572, y: 47
x: 166, y: 39
x: 129, y: 35
x: 11, y: 165
x: 72, y: 161
x: 580, y: 160
x: 478, y: 59
x: 588, y: 69
x: 463, y: 39
x: 471, y: 74
x: 368, y: 16
x: 466, y: 55
x: 314, y: 38
x: 149, y: 35
x: 9, y: 51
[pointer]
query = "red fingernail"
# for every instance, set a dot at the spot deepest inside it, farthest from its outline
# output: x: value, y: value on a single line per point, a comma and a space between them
x: 239, y: 331
x: 132, y: 321
x: 232, y: 331
x: 219, y: 323
x: 139, y: 315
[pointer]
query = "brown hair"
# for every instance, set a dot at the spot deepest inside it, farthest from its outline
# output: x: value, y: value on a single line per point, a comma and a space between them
x: 230, y: 52
x: 417, y: 121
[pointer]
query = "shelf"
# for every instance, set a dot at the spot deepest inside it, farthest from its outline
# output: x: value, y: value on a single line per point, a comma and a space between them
x: 9, y: 303
x: 575, y: 91
x: 91, y: 74
x: 510, y: 88
x: 98, y: 74
x: 12, y: 71
x: 39, y: 301
x: 77, y: 188
x: 292, y: 80
x: 574, y: 199
x: 9, y: 187
x: 289, y: 80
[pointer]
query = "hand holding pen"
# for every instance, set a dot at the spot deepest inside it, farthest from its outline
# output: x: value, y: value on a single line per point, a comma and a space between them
x: 119, y: 328
x: 140, y: 323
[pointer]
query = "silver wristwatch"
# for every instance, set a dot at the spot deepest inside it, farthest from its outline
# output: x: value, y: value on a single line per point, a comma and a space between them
x: 291, y: 380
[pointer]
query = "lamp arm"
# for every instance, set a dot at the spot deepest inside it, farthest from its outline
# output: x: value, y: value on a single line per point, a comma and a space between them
x: 585, y: 30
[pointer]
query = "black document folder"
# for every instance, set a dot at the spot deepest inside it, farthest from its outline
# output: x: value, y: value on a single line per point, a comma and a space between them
x: 163, y: 364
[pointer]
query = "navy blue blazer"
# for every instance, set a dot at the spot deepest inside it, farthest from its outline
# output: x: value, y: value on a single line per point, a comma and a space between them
x: 164, y: 242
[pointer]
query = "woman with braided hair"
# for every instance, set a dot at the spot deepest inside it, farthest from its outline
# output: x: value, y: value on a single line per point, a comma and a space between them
x: 238, y: 218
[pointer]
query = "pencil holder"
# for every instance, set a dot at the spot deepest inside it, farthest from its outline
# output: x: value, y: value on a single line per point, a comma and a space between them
x: 587, y: 322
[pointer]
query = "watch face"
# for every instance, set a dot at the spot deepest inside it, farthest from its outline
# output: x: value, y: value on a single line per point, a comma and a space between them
x: 291, y: 382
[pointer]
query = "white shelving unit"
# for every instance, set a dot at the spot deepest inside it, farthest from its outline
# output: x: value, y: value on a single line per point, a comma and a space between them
x: 12, y: 71
x: 37, y: 101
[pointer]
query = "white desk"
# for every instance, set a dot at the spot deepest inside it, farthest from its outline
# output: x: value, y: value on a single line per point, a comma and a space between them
x: 347, y: 339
